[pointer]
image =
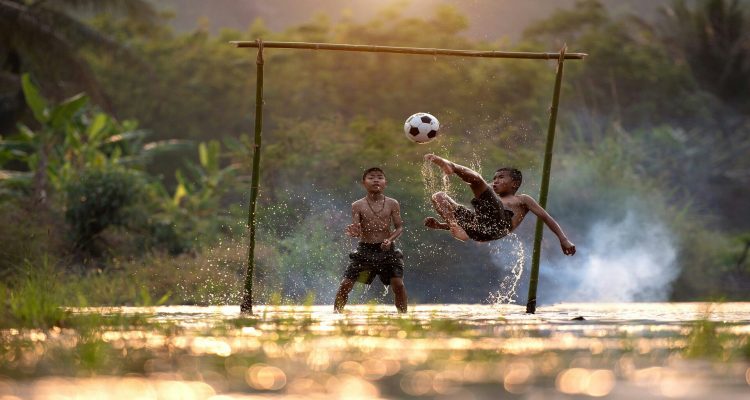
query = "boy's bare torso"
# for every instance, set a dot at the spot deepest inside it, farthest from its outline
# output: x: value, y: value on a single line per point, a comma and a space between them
x: 517, y: 204
x: 375, y: 218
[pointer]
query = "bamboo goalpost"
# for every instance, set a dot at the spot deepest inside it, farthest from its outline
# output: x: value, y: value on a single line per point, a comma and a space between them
x: 247, y: 299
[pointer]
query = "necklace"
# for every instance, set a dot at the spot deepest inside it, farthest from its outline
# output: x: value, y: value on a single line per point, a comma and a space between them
x: 377, y: 213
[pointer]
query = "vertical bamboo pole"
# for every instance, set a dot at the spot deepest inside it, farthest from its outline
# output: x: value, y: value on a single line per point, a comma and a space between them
x: 247, y: 300
x: 544, y: 189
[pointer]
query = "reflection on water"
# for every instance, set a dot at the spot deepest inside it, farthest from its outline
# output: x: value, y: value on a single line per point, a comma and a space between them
x: 656, y: 350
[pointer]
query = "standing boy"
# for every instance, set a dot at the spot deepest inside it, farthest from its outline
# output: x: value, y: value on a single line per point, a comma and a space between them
x: 376, y: 253
x: 497, y: 210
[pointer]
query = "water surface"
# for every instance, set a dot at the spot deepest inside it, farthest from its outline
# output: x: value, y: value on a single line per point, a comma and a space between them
x: 624, y: 350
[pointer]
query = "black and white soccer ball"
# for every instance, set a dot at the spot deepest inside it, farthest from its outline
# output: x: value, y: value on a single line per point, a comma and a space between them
x: 421, y: 127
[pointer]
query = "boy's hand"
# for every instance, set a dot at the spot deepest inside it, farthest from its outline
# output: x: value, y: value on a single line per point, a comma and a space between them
x: 568, y: 248
x: 354, y: 230
x: 386, y: 244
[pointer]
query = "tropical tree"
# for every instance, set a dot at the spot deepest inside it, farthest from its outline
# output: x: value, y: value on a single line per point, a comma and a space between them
x: 714, y: 40
x: 43, y: 38
x: 71, y: 137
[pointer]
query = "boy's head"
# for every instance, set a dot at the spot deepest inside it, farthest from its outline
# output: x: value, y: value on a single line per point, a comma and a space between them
x: 507, y: 180
x: 373, y: 179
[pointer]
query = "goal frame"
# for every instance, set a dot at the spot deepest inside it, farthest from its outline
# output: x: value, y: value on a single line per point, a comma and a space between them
x: 247, y: 298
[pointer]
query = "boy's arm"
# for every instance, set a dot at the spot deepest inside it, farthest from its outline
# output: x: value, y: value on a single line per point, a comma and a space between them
x: 568, y: 248
x: 398, y: 225
x: 355, y: 228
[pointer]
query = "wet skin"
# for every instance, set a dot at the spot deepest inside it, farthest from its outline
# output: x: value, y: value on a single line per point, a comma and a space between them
x: 504, y: 186
x: 372, y: 217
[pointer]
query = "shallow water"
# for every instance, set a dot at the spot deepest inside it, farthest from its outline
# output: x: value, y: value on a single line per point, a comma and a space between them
x: 624, y: 350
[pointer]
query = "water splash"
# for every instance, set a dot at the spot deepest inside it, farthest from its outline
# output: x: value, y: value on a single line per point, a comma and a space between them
x: 431, y: 182
x: 509, y: 255
x: 475, y: 163
x: 428, y: 178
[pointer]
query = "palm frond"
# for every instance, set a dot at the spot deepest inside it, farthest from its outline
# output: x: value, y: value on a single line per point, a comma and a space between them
x: 45, y: 49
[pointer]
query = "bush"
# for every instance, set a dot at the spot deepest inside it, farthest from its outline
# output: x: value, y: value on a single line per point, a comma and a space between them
x: 27, y: 236
x: 100, y: 199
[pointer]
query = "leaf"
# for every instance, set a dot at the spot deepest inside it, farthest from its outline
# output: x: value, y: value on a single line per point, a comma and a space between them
x: 203, y: 154
x: 145, y: 297
x: 63, y: 113
x: 34, y: 99
x: 99, y: 160
x: 214, y: 152
x: 116, y: 154
x: 25, y: 134
x: 179, y: 193
x: 72, y: 140
x: 97, y: 126
x: 164, y: 299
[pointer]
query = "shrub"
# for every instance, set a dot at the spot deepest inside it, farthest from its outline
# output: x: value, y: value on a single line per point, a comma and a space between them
x: 100, y: 199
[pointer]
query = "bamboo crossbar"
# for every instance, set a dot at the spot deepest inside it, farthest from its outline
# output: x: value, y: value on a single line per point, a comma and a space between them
x: 409, y: 50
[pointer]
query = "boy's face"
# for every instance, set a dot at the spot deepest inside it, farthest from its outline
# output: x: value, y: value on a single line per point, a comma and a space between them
x: 374, y: 182
x: 502, y: 183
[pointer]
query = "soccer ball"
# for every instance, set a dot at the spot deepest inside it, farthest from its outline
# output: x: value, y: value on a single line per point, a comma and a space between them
x: 421, y: 128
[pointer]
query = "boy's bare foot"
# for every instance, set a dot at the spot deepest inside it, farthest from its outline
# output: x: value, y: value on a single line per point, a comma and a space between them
x: 433, y: 223
x: 444, y: 164
x: 458, y: 232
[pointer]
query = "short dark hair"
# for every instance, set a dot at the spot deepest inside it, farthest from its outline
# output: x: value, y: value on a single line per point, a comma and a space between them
x: 373, y: 169
x: 515, y: 175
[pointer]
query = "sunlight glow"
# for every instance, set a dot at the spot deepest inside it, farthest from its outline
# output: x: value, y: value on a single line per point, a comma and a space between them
x: 595, y: 383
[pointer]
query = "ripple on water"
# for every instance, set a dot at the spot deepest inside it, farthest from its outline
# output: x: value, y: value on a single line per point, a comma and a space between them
x: 622, y: 350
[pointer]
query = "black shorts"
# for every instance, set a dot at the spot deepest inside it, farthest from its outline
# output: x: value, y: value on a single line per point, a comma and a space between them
x: 370, y: 260
x: 488, y: 221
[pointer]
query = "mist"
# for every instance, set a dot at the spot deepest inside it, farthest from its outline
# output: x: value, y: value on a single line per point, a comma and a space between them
x: 618, y: 260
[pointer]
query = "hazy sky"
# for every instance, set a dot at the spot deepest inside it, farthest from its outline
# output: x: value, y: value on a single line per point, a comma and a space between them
x: 489, y: 19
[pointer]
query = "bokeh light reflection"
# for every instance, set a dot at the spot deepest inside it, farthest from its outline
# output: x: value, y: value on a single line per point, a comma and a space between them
x: 265, y: 377
x: 454, y: 351
x: 595, y: 383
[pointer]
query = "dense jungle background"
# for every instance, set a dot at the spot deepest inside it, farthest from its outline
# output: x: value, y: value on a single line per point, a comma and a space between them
x: 126, y: 140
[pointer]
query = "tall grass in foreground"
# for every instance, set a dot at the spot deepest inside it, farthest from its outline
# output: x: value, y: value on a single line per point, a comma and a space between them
x: 38, y: 294
x: 34, y: 299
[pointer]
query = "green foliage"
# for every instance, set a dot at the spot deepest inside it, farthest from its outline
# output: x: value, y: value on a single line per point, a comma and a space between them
x: 29, y: 237
x: 72, y: 137
x: 99, y: 199
x: 34, y: 299
x: 707, y: 340
x: 97, y: 162
x: 36, y: 103
x: 43, y: 39
x: 712, y: 39
x: 627, y: 77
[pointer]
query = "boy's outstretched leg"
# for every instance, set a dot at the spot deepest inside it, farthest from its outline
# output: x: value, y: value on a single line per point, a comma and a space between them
x: 399, y: 294
x: 342, y: 296
x: 446, y: 207
x: 468, y: 175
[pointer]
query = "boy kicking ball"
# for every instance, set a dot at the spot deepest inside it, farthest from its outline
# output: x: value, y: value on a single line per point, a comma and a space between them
x: 497, y: 210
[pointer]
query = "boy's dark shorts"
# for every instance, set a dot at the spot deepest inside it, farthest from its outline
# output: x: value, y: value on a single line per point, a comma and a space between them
x: 488, y: 221
x: 370, y: 260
